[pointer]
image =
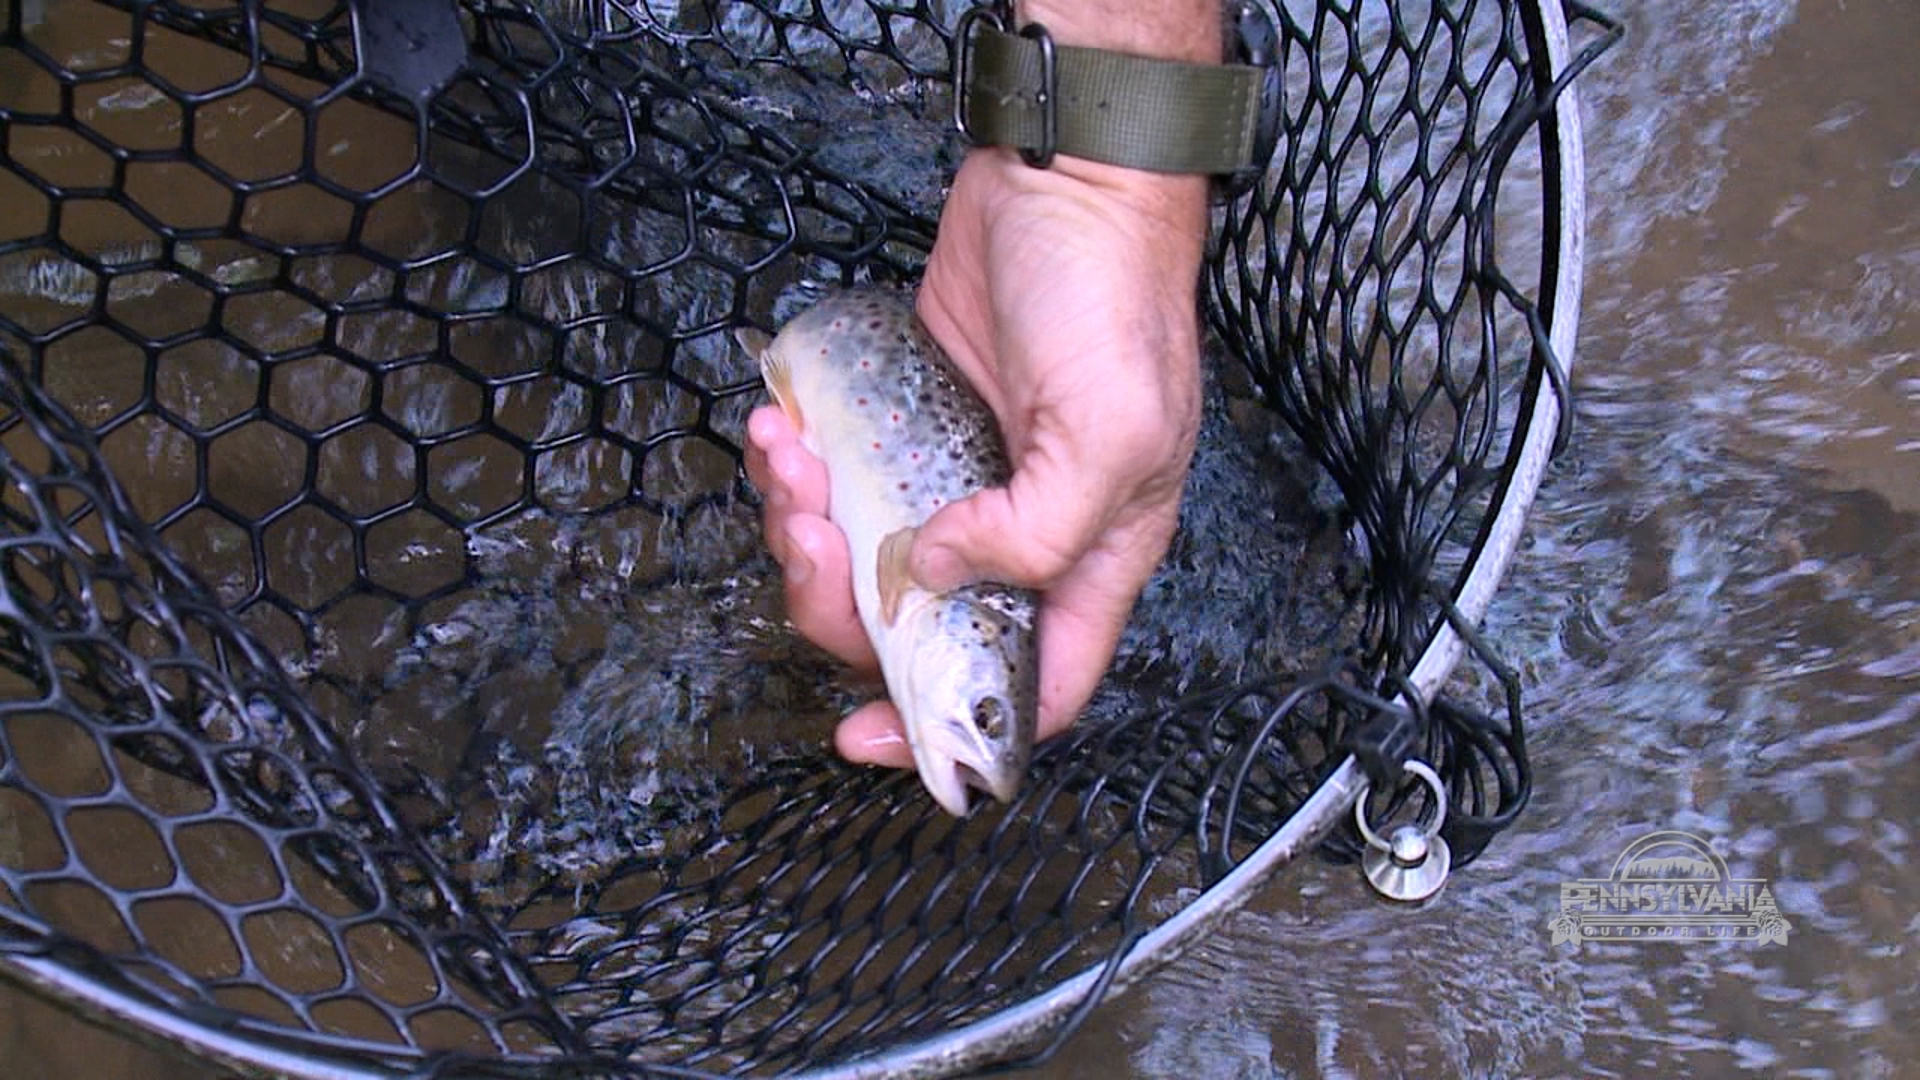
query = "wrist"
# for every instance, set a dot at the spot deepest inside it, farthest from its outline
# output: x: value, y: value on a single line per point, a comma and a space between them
x: 1161, y: 218
x: 1175, y: 202
x: 1189, y: 30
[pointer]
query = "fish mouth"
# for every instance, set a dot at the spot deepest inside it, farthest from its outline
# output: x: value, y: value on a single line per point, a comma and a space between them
x: 948, y: 786
x: 950, y: 782
x: 1002, y: 784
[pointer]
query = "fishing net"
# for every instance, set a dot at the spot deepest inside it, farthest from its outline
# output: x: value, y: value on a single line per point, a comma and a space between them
x: 392, y: 677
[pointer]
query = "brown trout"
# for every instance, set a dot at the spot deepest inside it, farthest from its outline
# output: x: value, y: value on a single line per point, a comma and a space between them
x: 902, y: 434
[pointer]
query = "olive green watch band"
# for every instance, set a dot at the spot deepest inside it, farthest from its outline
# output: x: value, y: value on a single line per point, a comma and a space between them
x: 1022, y: 90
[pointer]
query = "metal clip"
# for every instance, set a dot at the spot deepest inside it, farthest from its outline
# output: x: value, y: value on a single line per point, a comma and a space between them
x: 1412, y: 863
x: 1256, y: 44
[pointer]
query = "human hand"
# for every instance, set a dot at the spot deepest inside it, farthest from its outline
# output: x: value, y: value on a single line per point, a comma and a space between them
x: 1067, y: 296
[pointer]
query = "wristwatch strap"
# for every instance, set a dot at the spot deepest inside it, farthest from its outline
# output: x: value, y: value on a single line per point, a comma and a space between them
x: 1141, y: 112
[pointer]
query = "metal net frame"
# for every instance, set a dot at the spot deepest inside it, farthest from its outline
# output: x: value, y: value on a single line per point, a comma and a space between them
x: 477, y: 266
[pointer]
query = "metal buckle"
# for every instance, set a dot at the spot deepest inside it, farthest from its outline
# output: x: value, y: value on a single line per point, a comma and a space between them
x: 963, y: 62
x: 1256, y: 44
x: 996, y: 18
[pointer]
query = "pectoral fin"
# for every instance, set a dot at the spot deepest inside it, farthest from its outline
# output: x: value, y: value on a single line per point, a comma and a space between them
x: 778, y: 376
x: 895, y: 579
x: 754, y: 340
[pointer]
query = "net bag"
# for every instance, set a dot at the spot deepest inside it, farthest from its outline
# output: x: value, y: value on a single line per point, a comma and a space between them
x: 391, y: 676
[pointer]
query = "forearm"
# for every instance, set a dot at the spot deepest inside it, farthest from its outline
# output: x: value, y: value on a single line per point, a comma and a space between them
x: 1174, y: 29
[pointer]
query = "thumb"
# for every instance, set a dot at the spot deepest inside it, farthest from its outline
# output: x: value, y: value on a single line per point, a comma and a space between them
x: 1029, y: 533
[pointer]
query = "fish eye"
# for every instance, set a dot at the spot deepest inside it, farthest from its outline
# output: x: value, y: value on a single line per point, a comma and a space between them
x: 990, y: 717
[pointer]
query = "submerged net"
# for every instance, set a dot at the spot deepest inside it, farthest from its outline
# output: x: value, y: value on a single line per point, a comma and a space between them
x: 392, y: 675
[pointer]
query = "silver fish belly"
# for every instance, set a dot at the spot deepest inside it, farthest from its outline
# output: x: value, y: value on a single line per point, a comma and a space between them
x: 902, y: 434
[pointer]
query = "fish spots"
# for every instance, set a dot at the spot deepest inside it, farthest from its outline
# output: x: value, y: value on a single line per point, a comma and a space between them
x: 860, y: 401
x: 905, y: 486
x: 896, y: 418
x: 865, y: 365
x: 876, y: 446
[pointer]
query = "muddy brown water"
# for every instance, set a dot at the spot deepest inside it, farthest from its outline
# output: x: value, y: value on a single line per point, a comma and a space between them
x: 1717, y: 614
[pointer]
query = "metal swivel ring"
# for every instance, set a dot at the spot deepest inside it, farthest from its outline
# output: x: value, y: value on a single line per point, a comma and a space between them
x: 1410, y: 863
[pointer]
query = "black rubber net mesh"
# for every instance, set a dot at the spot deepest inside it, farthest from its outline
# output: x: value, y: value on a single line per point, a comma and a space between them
x: 393, y: 672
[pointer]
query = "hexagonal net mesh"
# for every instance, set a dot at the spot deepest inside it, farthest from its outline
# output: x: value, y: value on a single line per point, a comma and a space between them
x: 393, y: 676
